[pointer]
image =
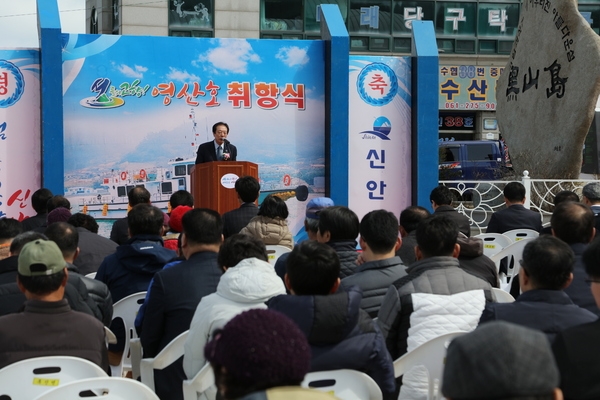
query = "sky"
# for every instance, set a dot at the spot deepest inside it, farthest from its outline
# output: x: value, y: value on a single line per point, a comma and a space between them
x: 18, y: 21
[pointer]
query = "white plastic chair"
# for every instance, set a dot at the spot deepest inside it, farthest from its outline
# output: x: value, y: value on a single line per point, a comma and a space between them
x: 275, y: 251
x: 127, y: 309
x: 513, y: 252
x: 494, y: 242
x: 346, y: 384
x: 431, y: 355
x: 104, y: 388
x: 204, y: 380
x: 24, y: 380
x: 519, y: 234
x: 91, y: 275
x: 167, y: 356
x: 502, y: 296
x: 110, y: 336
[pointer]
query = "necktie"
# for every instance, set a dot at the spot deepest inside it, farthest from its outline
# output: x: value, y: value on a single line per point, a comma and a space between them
x: 220, y: 153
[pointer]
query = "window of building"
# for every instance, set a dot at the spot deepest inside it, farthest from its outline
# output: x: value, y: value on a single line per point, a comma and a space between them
x: 116, y: 24
x: 191, y: 18
x: 94, y: 21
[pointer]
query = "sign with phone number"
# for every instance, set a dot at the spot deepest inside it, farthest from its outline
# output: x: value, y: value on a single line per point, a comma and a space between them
x: 468, y: 87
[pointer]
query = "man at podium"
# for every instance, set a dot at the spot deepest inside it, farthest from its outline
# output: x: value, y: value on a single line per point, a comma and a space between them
x: 219, y: 149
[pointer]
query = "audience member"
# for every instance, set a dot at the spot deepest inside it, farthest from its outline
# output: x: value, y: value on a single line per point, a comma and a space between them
x: 441, y: 199
x: 379, y: 242
x: 562, y: 196
x: 472, y: 259
x: 515, y: 215
x: 9, y: 228
x: 248, y: 282
x: 9, y: 265
x: 58, y: 201
x: 39, y: 202
x: 171, y: 238
x: 247, y: 189
x: 523, y: 368
x: 270, y: 224
x: 119, y: 232
x: 176, y: 292
x: 261, y: 354
x: 546, y: 269
x: 59, y: 214
x: 573, y: 223
x: 591, y: 198
x: 47, y: 326
x: 340, y: 334
x: 54, y: 203
x: 410, y: 218
x: 181, y: 198
x: 338, y: 227
x: 93, y: 248
x: 576, y: 349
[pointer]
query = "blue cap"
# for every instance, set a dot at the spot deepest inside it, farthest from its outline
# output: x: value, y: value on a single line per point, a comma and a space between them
x: 314, y: 207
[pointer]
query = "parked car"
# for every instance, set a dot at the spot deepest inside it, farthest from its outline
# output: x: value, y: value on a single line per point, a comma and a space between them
x: 475, y: 160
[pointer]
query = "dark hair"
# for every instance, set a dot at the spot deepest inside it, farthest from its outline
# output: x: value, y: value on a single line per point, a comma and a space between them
x: 573, y: 222
x: 22, y: 239
x: 214, y: 127
x: 311, y: 224
x: 273, y: 207
x: 548, y: 261
x: 590, y: 258
x: 84, y: 221
x: 144, y: 219
x: 39, y: 200
x: 412, y: 216
x: 514, y: 192
x: 341, y: 223
x: 9, y: 228
x: 247, y: 187
x: 44, y: 284
x: 441, y: 195
x: 379, y: 229
x: 565, y: 195
x: 181, y: 198
x: 202, y: 226
x: 64, y: 235
x: 436, y: 236
x: 56, y: 202
x: 138, y: 195
x: 312, y: 268
x: 238, y: 247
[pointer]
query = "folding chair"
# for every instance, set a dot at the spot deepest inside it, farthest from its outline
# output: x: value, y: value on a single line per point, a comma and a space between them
x: 127, y: 309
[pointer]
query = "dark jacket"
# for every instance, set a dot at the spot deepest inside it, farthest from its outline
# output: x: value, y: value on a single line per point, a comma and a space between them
x: 550, y: 311
x: 133, y: 265
x: 407, y: 251
x: 8, y: 269
x: 579, y: 290
x: 120, y: 231
x: 340, y: 334
x: 435, y: 275
x: 514, y: 217
x: 207, y: 152
x: 174, y: 296
x: 235, y: 220
x: 93, y: 249
x: 472, y: 260
x: 463, y: 222
x: 36, y: 221
x: 51, y: 329
x: 374, y: 278
x: 346, y: 251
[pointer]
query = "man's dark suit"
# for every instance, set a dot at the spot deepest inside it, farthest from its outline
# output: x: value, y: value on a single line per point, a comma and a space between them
x: 120, y: 231
x: 235, y: 220
x: 207, y: 152
x: 514, y: 217
x: 93, y: 249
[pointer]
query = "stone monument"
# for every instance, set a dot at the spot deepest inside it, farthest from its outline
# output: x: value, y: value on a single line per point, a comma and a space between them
x: 547, y: 93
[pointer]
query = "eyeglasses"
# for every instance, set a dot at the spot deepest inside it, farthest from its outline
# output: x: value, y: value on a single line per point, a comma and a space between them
x: 592, y: 280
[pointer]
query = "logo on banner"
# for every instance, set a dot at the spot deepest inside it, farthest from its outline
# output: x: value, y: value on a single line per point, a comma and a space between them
x: 228, y: 180
x: 381, y: 129
x: 377, y: 84
x: 12, y: 84
x: 110, y: 97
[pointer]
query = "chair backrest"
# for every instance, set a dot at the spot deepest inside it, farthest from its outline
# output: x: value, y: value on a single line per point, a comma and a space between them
x: 514, y: 252
x: 29, y: 378
x: 204, y: 380
x: 105, y: 388
x: 494, y: 242
x: 127, y: 309
x: 519, y: 234
x: 502, y: 296
x: 91, y: 275
x: 167, y: 356
x: 431, y: 355
x: 275, y: 251
x: 346, y: 384
x: 110, y: 336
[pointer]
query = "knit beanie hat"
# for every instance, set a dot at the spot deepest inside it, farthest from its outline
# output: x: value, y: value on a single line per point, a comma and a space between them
x: 176, y: 216
x: 261, y: 346
x: 59, y: 214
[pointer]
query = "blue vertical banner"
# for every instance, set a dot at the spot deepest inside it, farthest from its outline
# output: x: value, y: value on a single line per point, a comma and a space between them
x: 20, y: 146
x: 380, y: 133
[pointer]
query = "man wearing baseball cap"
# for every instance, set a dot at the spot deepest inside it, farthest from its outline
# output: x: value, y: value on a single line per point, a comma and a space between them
x: 47, y: 326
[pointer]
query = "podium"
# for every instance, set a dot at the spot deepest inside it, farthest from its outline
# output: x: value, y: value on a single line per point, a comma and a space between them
x: 213, y: 183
